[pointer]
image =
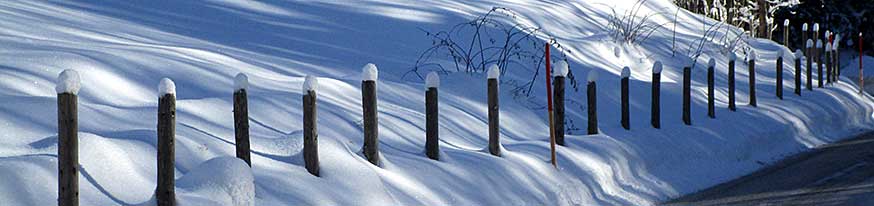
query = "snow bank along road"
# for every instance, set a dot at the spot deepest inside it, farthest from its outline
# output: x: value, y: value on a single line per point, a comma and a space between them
x: 841, y: 173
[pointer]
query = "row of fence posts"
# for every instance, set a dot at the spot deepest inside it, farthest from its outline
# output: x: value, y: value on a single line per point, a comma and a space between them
x: 165, y: 192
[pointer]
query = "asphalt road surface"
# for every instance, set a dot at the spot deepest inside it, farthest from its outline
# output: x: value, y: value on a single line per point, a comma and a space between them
x: 841, y: 173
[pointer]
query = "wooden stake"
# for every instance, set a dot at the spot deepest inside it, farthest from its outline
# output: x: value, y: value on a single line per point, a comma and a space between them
x: 165, y: 193
x: 241, y: 126
x: 68, y: 150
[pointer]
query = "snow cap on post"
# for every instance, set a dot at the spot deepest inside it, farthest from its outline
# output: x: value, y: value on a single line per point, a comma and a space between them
x: 819, y: 43
x: 241, y: 82
x: 816, y: 27
x: 711, y: 62
x: 732, y: 56
x: 593, y: 75
x: 369, y: 72
x: 560, y: 69
x: 68, y: 82
x: 166, y: 87
x: 780, y: 53
x: 310, y: 83
x: 809, y: 43
x: 752, y: 55
x: 657, y: 67
x: 798, y: 54
x: 616, y: 52
x: 786, y: 22
x: 494, y: 72
x: 804, y: 27
x: 626, y: 72
x: 432, y: 80
x: 688, y: 62
x: 828, y: 47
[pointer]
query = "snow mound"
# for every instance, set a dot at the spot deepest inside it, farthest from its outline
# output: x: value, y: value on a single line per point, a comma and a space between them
x: 657, y: 67
x: 626, y: 72
x: 310, y: 83
x: 494, y: 72
x: 561, y: 69
x: 68, y: 82
x: 432, y: 80
x: 166, y: 87
x: 223, y: 180
x: 369, y: 72
x: 593, y: 76
x: 241, y: 82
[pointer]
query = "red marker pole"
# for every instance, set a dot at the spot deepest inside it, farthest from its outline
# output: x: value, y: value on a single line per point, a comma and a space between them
x: 549, y: 107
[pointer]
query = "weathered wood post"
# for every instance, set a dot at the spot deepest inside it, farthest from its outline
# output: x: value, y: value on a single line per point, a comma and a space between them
x: 655, y: 118
x: 687, y: 92
x: 241, y: 118
x: 809, y: 64
x: 815, y: 36
x: 67, y: 89
x: 818, y: 54
x: 804, y: 36
x: 711, y: 110
x: 592, y: 101
x: 786, y: 32
x: 560, y: 72
x: 779, y: 73
x: 310, y: 125
x: 165, y: 194
x: 371, y: 124
x: 432, y: 138
x: 861, y: 71
x: 494, y: 112
x: 836, y: 54
x: 731, y: 94
x: 626, y: 74
x: 828, y: 63
x: 798, y: 58
x: 752, y: 75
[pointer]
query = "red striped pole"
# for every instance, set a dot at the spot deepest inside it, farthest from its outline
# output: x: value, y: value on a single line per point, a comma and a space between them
x: 549, y: 107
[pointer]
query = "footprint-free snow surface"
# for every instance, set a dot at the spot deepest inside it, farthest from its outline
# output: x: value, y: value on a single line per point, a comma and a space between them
x: 122, y: 50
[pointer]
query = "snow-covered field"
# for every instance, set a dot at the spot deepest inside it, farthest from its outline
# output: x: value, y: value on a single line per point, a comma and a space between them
x: 122, y: 50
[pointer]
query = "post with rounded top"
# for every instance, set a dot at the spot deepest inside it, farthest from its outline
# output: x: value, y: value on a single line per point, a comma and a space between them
x: 165, y: 193
x: 371, y: 124
x: 861, y: 72
x: 432, y: 147
x: 241, y: 118
x: 626, y: 122
x: 655, y: 107
x: 310, y: 125
x: 752, y: 75
x: 779, y: 72
x: 828, y: 63
x: 803, y: 38
x: 494, y: 112
x: 818, y: 54
x: 687, y: 93
x: 711, y: 110
x: 809, y: 70
x: 731, y: 61
x: 798, y: 56
x: 592, y: 102
x: 558, y: 83
x: 786, y: 32
x: 67, y: 89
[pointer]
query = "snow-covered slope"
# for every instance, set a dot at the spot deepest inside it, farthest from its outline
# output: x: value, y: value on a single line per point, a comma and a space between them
x: 122, y: 50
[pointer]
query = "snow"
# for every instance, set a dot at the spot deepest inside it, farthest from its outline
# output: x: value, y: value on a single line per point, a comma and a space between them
x: 616, y: 52
x: 799, y: 54
x: 752, y: 55
x: 222, y: 181
x: 166, y: 86
x: 732, y: 57
x: 657, y: 67
x: 804, y: 27
x: 819, y: 43
x: 711, y: 63
x: 310, y: 83
x: 369, y: 72
x: 560, y: 69
x: 809, y: 43
x: 593, y: 76
x: 828, y: 47
x: 432, y: 80
x: 626, y: 72
x: 241, y: 82
x: 786, y: 22
x: 780, y: 53
x: 123, y: 49
x: 68, y: 82
x: 816, y: 27
x: 494, y: 72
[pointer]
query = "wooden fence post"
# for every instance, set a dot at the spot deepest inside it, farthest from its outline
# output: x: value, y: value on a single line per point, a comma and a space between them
x: 828, y: 63
x: 752, y: 75
x: 711, y: 110
x: 494, y: 112
x: 165, y: 194
x: 241, y: 118
x: 818, y: 54
x: 310, y: 125
x: 67, y: 89
x: 731, y: 100
x: 798, y: 56
x: 779, y: 84
x: 687, y: 93
x: 786, y: 32
x: 803, y: 38
x: 592, y: 101
x: 371, y: 124
x: 432, y: 142
x: 655, y: 118
x: 809, y: 57
x: 558, y: 82
x: 861, y: 71
x: 626, y: 74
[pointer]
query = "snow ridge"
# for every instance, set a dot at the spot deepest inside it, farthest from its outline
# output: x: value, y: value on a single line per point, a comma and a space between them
x: 432, y: 80
x: 166, y: 87
x: 369, y: 72
x: 68, y: 82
